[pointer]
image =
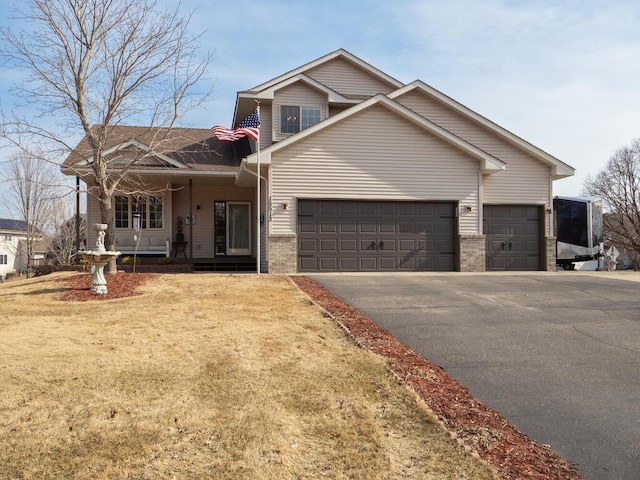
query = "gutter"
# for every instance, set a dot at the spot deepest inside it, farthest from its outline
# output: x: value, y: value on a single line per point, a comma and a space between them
x: 181, y: 172
x: 243, y: 167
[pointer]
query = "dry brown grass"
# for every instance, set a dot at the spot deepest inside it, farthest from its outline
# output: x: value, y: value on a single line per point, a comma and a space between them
x: 203, y: 376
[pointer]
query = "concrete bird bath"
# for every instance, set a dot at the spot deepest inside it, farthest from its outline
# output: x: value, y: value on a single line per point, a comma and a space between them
x: 98, y: 258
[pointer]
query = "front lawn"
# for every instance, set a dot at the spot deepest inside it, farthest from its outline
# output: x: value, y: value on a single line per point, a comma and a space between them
x: 203, y: 376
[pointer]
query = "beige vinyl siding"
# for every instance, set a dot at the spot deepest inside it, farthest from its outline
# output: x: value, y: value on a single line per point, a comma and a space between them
x: 266, y: 125
x: 334, y: 109
x: 297, y: 94
x: 205, y: 192
x: 525, y: 180
x: 374, y: 155
x: 348, y: 79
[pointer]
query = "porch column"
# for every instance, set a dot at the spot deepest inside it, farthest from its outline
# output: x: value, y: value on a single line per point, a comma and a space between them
x: 191, y: 216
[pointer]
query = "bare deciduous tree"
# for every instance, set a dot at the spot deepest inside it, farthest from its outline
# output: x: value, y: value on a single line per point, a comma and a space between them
x: 618, y: 185
x: 94, y: 64
x: 31, y: 193
x: 61, y: 241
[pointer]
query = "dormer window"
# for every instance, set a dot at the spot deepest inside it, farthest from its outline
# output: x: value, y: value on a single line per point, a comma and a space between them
x: 295, y: 118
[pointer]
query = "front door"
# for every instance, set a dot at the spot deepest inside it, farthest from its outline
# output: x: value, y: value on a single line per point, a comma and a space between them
x: 232, y: 228
x: 238, y: 228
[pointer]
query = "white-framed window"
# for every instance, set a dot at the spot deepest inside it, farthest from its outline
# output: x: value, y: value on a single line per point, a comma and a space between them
x: 149, y: 207
x: 3, y: 259
x: 295, y: 118
x: 7, y: 237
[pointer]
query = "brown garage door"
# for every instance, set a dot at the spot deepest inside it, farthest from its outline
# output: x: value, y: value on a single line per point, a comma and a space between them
x: 350, y: 236
x: 513, y: 237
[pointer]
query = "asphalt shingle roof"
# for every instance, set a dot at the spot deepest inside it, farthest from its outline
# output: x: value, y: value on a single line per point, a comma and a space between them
x: 14, y: 225
x: 197, y: 148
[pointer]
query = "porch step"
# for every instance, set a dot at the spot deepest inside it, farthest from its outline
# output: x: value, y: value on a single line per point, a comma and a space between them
x: 224, y: 267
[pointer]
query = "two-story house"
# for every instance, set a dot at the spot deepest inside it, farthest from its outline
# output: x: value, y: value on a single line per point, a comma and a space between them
x: 358, y: 172
x: 13, y: 246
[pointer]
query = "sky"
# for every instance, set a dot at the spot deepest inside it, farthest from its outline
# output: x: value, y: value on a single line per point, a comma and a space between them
x: 563, y: 75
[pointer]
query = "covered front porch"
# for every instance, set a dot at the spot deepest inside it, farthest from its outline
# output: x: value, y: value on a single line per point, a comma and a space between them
x: 208, y: 222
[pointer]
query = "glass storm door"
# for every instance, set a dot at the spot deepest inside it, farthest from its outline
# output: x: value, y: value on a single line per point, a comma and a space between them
x: 238, y: 228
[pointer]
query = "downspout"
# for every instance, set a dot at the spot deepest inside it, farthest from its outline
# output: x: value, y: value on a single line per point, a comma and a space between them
x: 242, y: 167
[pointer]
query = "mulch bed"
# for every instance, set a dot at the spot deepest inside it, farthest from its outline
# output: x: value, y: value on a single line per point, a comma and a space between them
x: 119, y: 285
x: 476, y: 426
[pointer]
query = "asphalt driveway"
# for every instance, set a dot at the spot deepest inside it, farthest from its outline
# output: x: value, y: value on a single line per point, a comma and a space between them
x: 558, y: 354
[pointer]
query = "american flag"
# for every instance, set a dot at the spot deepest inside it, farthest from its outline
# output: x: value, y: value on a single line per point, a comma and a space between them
x: 249, y: 127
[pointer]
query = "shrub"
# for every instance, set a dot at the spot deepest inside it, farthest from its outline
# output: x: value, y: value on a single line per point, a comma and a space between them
x: 129, y: 260
x: 167, y: 261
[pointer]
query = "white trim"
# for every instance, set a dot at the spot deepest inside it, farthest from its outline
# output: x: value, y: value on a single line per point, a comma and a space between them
x: 560, y: 169
x: 278, y: 133
x: 341, y: 53
x: 129, y: 198
x: 269, y: 93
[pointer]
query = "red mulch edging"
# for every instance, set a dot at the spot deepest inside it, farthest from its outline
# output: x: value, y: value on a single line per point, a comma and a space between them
x: 119, y: 285
x: 485, y: 431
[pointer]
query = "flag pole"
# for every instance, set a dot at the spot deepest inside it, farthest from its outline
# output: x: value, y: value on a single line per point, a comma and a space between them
x: 259, y: 239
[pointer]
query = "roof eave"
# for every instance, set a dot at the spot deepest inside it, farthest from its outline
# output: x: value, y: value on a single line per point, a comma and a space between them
x: 160, y: 171
x: 559, y: 168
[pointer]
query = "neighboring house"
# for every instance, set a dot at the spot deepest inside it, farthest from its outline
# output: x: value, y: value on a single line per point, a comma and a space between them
x: 360, y: 172
x: 13, y: 246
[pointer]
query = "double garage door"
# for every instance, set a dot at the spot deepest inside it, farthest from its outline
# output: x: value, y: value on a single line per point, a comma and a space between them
x: 351, y: 236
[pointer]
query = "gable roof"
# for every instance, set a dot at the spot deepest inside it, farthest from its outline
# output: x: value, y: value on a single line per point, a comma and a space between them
x: 243, y: 109
x: 269, y: 92
x: 559, y: 168
x: 489, y: 164
x: 178, y: 150
x: 13, y: 225
x: 340, y: 53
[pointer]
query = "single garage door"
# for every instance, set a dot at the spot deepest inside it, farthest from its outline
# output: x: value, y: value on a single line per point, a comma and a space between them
x: 352, y: 236
x: 514, y: 237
